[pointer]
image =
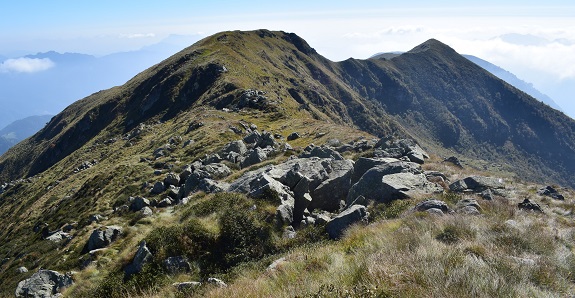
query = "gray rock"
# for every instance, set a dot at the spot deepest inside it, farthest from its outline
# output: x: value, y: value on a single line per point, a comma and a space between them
x: 253, y: 157
x: 468, y: 202
x: 321, y: 152
x: 353, y: 214
x: 322, y: 218
x: 217, y: 282
x: 59, y: 236
x: 276, y: 264
x: 301, y: 203
x: 174, y: 265
x: 550, y: 192
x: 267, y: 140
x: 213, y: 158
x: 454, y: 160
x: 529, y: 206
x: 435, y: 211
x: 195, y: 125
x: 379, y: 185
x: 141, y: 258
x: 487, y: 194
x: 147, y: 211
x: 253, y: 138
x: 477, y: 184
x: 416, y: 157
x: 293, y: 136
x: 165, y: 203
x: 328, y: 195
x: 44, y: 284
x: 469, y: 210
x: 21, y: 270
x: 364, y: 164
x: 187, y: 285
x: 400, y: 148
x: 138, y: 203
x: 174, y: 193
x: 103, y: 237
x: 172, y: 179
x: 432, y: 204
x: 264, y: 185
x: 194, y: 180
x: 289, y: 232
x: 211, y: 186
x: 158, y: 188
x: 284, y: 214
x: 238, y: 147
x: 186, y: 172
x: 217, y: 170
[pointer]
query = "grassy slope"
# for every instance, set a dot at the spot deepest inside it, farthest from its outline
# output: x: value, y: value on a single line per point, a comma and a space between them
x: 59, y: 196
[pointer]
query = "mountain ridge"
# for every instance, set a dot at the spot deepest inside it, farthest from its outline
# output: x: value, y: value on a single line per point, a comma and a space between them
x: 460, y: 117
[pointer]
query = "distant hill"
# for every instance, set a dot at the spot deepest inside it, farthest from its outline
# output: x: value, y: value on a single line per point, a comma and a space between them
x: 21, y: 129
x: 74, y: 76
x: 514, y: 80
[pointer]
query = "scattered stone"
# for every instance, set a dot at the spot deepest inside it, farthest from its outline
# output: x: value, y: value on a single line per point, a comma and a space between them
x: 276, y: 264
x: 186, y: 286
x: 21, y: 269
x: 550, y: 192
x: 400, y: 148
x: 432, y: 204
x: 158, y: 188
x: 177, y: 264
x: 321, y: 152
x: 138, y: 203
x: 142, y: 256
x: 454, y: 160
x: 293, y: 136
x: 267, y: 140
x: 174, y: 192
x: 469, y: 210
x: 44, y: 283
x: 217, y: 170
x: 165, y: 203
x: 477, y: 184
x: 217, y: 282
x: 364, y: 164
x: 211, y: 186
x: 238, y: 147
x: 172, y: 179
x: 58, y: 237
x: 103, y: 236
x: 284, y: 214
x: 435, y: 176
x: 254, y: 156
x: 253, y: 138
x: 195, y: 125
x: 487, y: 195
x: 289, y: 232
x: 468, y: 202
x: 147, y: 211
x: 353, y: 214
x: 528, y: 205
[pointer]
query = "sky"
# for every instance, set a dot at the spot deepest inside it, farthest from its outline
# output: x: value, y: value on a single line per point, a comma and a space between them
x: 533, y: 39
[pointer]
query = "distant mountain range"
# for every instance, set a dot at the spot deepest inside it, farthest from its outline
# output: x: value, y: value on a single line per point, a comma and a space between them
x: 21, y: 129
x: 499, y: 72
x: 72, y: 76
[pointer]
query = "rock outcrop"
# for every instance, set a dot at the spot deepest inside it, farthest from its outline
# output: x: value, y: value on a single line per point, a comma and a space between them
x: 44, y: 284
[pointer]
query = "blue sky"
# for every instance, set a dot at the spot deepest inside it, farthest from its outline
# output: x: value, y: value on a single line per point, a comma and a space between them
x: 533, y: 39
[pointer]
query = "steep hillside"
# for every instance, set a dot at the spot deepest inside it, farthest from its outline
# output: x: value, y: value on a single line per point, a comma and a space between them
x: 209, y: 157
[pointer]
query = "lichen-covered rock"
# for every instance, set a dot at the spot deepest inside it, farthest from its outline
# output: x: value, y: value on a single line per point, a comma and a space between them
x: 44, y: 284
x: 432, y: 204
x: 550, y: 192
x: 477, y: 184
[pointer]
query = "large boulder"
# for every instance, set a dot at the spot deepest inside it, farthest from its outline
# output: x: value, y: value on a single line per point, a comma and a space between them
x: 477, y: 184
x: 172, y: 179
x: 432, y: 204
x: 208, y: 185
x: 328, y: 195
x: 364, y: 164
x: 253, y: 157
x: 138, y: 203
x: 389, y: 182
x: 353, y: 214
x: 59, y: 236
x: 238, y: 147
x: 142, y: 257
x: 44, y: 284
x: 103, y: 236
x: 217, y: 170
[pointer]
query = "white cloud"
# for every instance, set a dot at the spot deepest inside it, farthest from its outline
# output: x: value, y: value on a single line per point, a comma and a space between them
x: 26, y: 65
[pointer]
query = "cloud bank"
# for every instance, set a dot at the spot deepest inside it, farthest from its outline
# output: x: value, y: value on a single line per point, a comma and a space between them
x: 26, y: 65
